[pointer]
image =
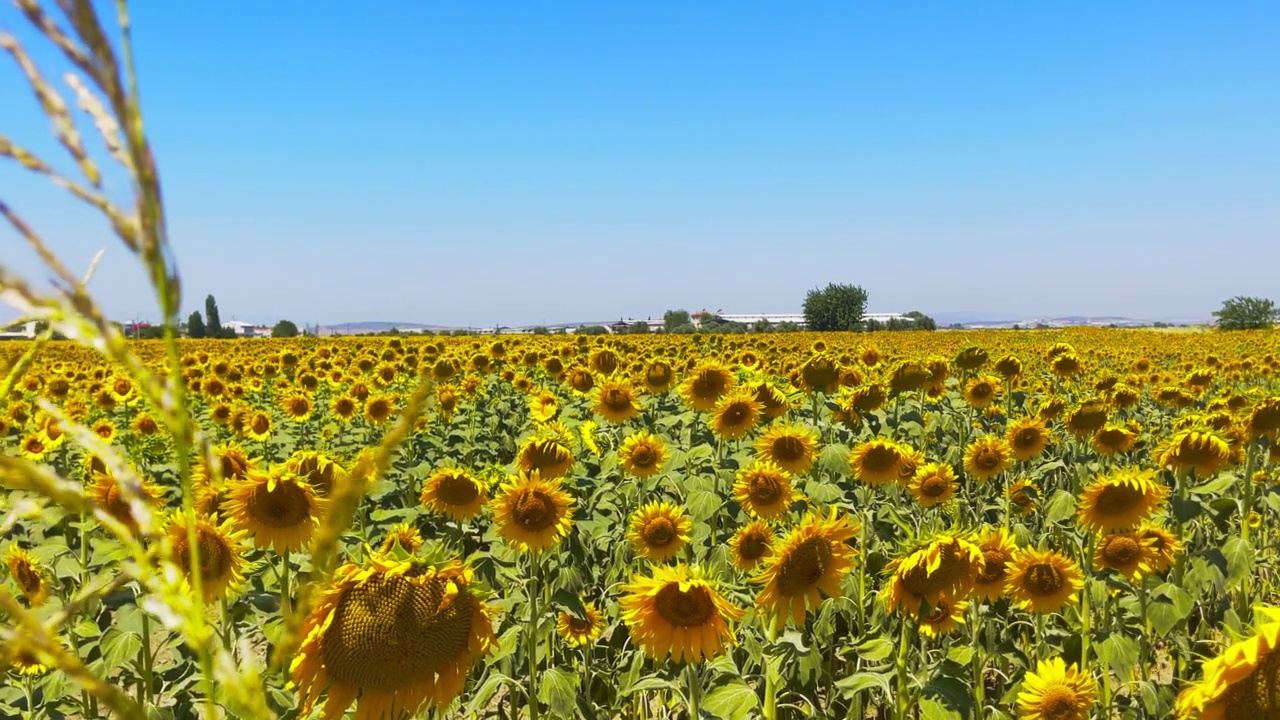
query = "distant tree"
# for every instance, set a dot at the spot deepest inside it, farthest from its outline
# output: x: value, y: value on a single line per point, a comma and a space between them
x: 835, y: 307
x: 684, y: 329
x: 763, y: 326
x: 541, y: 330
x: 212, y: 320
x: 639, y: 327
x: 1247, y: 313
x: 707, y: 319
x: 787, y: 326
x: 284, y: 329
x: 920, y: 321
x: 673, y: 319
x: 593, y: 330
x: 151, y: 332
x: 461, y: 331
x: 1159, y: 324
x: 195, y: 326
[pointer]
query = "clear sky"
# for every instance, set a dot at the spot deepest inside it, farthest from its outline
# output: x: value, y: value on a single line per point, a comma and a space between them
x: 518, y: 163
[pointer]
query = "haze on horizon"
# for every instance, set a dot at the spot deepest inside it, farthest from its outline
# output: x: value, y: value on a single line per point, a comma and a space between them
x: 518, y: 164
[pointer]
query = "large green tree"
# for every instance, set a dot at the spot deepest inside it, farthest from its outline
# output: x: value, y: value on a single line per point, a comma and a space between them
x: 1247, y: 313
x: 212, y: 321
x: 284, y: 329
x: 835, y: 307
x: 673, y: 319
x: 195, y: 326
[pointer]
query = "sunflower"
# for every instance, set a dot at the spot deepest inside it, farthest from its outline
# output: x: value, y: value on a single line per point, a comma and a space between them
x: 587, y: 430
x: 28, y: 574
x: 987, y: 457
x: 316, y: 469
x: 404, y: 535
x: 943, y: 568
x: 658, y: 376
x: 297, y: 406
x: 1056, y: 692
x: 580, y: 631
x: 394, y: 636
x: 34, y: 447
x: 105, y: 492
x: 1192, y: 449
x: 703, y: 389
x: 1024, y: 494
x: 533, y: 514
x: 982, y: 391
x: 615, y: 401
x: 806, y: 564
x: 1113, y: 439
x: 677, y: 612
x: 876, y: 462
x: 1009, y: 367
x: 1264, y: 421
x: 642, y: 455
x: 1240, y: 682
x: 933, y: 484
x: 345, y: 407
x: 997, y: 547
x: 22, y: 659
x: 220, y: 549
x: 790, y: 447
x: 908, y: 376
x: 277, y: 508
x: 819, y: 374
x: 943, y: 617
x: 1043, y: 580
x: 1120, y: 500
x: 454, y: 492
x: 659, y: 530
x: 764, y: 489
x: 546, y: 455
x: 773, y: 401
x: 735, y: 415
x: 751, y: 544
x: 543, y: 406
x: 1165, y: 546
x: 1128, y: 553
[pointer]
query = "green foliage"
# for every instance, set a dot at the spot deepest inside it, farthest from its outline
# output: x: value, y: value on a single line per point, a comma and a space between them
x: 195, y: 326
x: 1247, y: 313
x: 284, y: 329
x: 593, y: 330
x: 673, y: 319
x: 213, y: 321
x: 638, y: 327
x: 921, y: 321
x: 835, y: 307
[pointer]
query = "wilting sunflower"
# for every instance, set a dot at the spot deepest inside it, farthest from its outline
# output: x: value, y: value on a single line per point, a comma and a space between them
x: 703, y: 389
x: 394, y: 636
x: 1128, y: 553
x: 580, y: 631
x: 1165, y: 546
x: 1043, y: 580
x: 405, y: 535
x: 943, y: 568
x: 659, y: 530
x: 316, y: 469
x: 790, y: 447
x: 105, y: 492
x: 220, y: 547
x: 1264, y: 421
x: 28, y: 574
x: 276, y: 508
x: 615, y: 401
x: 773, y: 401
x: 805, y: 565
x: 677, y: 612
x: 987, y: 457
x: 943, y: 617
x: 533, y: 514
x: 763, y: 489
x: 982, y: 391
x: 751, y: 544
x: 908, y: 376
x: 876, y: 461
x: 546, y: 455
x: 735, y: 415
x: 454, y: 492
x: 997, y: 547
x: 1087, y: 418
x: 933, y: 484
x: 1192, y: 449
x: 1113, y: 439
x: 1056, y: 692
x: 1120, y: 500
x: 1024, y: 496
x: 642, y: 455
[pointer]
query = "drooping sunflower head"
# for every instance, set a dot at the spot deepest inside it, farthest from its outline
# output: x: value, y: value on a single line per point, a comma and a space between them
x: 774, y: 403
x: 790, y: 447
x: 751, y: 544
x: 220, y: 549
x: 1009, y: 367
x: 405, y: 535
x: 533, y: 514
x: 933, y: 484
x: 997, y: 547
x: 1241, y: 681
x: 454, y: 492
x: 316, y: 469
x: 908, y: 376
x: 546, y: 454
x: 1165, y: 546
x: 877, y: 461
x: 819, y: 374
x: 642, y: 455
x: 22, y: 657
x: 580, y: 631
x: 1113, y: 439
x: 1128, y: 553
x: 1024, y: 496
x: 805, y: 565
x: 615, y: 401
x: 106, y: 492
x: 764, y: 490
x: 735, y: 415
x: 394, y: 636
x: 945, y: 567
x: 703, y: 389
x: 971, y: 358
x: 28, y: 574
x: 1204, y: 452
x: 1043, y: 580
x: 276, y: 508
x: 987, y: 457
x: 678, y: 612
x: 659, y: 530
x: 1087, y: 418
x: 1057, y: 692
x: 1264, y: 421
x: 1120, y: 500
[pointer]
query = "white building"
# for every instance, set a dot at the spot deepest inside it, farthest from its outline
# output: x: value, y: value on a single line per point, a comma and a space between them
x: 23, y: 331
x: 244, y: 329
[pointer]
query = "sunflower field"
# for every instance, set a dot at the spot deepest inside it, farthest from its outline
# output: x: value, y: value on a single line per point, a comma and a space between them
x: 1051, y: 525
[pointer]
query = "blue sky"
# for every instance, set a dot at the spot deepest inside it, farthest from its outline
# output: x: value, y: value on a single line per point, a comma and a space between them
x: 517, y: 163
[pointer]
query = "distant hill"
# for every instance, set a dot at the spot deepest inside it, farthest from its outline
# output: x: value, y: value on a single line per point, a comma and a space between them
x: 377, y: 326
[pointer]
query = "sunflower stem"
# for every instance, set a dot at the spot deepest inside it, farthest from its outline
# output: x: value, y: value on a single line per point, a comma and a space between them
x: 904, y: 648
x: 693, y: 684
x: 770, y: 709
x: 286, y: 602
x: 29, y: 686
x: 979, y: 663
x: 144, y: 654
x: 532, y: 636
x: 1041, y: 643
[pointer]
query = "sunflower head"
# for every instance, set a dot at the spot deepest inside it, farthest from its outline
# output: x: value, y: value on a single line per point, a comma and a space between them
x: 997, y: 547
x: 547, y: 454
x: 1112, y: 439
x: 942, y: 617
x: 658, y: 530
x: 987, y: 457
x: 1190, y: 449
x: 28, y: 574
x: 1043, y: 580
x: 877, y: 461
x: 982, y: 391
x: 219, y: 547
x: 764, y: 490
x: 1027, y: 438
x: 454, y: 492
x: 580, y: 631
x: 945, y: 567
x: 106, y: 492
x: 1024, y: 496
x: 703, y: 389
x: 751, y: 544
x: 277, y: 508
x: 533, y: 514
x: 735, y: 415
x: 1165, y: 546
x: 790, y: 447
x: 615, y: 401
x: 1057, y: 692
x: 317, y: 470
x: 805, y: 565
x: 1128, y: 553
x: 1120, y: 500
x: 933, y: 484
x: 406, y: 536
x: 678, y: 612
x: 643, y: 454
x: 909, y: 376
x: 819, y: 374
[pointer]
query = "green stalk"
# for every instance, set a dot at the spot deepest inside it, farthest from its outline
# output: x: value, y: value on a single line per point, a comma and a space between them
x: 29, y: 685
x: 694, y: 689
x: 904, y: 647
x: 770, y: 709
x: 979, y: 663
x: 1144, y: 643
x: 532, y: 636
x: 286, y: 602
x: 144, y: 653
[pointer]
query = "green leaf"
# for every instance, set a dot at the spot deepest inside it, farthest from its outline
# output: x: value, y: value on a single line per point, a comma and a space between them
x: 703, y: 505
x: 861, y: 682
x: 734, y: 701
x: 931, y: 709
x: 119, y: 648
x: 875, y: 650
x: 482, y: 695
x: 558, y: 689
x: 1241, y: 559
x: 834, y: 460
x: 1120, y: 653
x: 649, y: 682
x: 570, y: 601
x: 1061, y: 506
